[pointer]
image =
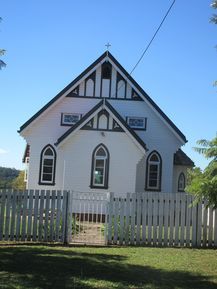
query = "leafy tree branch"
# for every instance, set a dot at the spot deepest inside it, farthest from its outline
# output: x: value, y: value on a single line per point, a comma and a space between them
x: 204, y: 184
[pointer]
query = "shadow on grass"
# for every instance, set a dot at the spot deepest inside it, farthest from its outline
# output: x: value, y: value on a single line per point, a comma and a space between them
x: 26, y: 267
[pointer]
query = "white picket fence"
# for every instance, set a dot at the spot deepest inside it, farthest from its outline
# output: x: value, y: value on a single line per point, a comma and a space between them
x: 148, y: 219
x: 33, y: 215
x: 157, y: 219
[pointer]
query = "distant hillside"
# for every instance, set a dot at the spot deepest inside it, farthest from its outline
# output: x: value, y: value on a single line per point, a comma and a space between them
x: 7, y: 175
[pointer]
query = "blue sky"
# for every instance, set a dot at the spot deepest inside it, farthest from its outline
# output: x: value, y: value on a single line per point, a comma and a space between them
x: 49, y: 43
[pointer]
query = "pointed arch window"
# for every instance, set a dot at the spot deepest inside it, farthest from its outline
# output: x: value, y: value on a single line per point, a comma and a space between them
x: 181, y: 182
x: 121, y: 89
x: 153, y: 172
x: 47, y: 166
x: 100, y: 167
x: 106, y: 79
x: 89, y: 87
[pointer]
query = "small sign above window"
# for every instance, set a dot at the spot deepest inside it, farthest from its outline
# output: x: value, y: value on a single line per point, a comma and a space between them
x: 137, y: 122
x: 70, y: 118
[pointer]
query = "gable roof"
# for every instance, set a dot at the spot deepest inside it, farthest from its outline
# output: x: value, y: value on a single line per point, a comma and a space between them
x: 145, y: 96
x: 103, y: 104
x: 181, y: 159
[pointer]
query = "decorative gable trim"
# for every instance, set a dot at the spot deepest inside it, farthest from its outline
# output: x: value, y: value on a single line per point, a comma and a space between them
x: 85, y: 119
x: 71, y: 87
x: 62, y: 92
x: 103, y: 105
x: 147, y: 98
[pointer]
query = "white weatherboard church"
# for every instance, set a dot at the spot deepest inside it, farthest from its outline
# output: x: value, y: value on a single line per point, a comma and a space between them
x: 103, y: 133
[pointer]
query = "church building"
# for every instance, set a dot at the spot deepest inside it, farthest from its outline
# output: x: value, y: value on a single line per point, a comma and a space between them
x: 103, y: 133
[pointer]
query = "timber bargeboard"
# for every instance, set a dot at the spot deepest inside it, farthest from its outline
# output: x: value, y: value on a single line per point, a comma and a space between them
x: 107, y: 56
x: 104, y: 104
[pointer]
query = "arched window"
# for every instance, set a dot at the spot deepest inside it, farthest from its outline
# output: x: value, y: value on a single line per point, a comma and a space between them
x: 103, y: 120
x: 47, y: 166
x: 106, y: 70
x: 153, y: 172
x: 100, y: 167
x: 89, y: 87
x: 106, y: 80
x: 181, y: 182
x: 121, y: 89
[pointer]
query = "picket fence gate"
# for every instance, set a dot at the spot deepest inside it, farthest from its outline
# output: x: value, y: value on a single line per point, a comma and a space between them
x: 145, y: 219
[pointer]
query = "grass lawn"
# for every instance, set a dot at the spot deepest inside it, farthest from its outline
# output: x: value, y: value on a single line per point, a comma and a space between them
x: 91, y: 267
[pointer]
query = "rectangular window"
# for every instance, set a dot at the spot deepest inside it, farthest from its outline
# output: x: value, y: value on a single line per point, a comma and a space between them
x: 70, y: 118
x: 153, y: 176
x: 137, y: 122
x: 99, y: 172
x: 26, y: 172
x: 47, y: 170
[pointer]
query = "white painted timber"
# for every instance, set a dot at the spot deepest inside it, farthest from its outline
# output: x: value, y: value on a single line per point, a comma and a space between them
x: 39, y: 216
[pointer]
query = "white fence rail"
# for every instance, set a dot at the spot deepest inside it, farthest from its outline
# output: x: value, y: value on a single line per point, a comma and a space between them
x: 157, y: 219
x: 148, y: 219
x: 33, y: 215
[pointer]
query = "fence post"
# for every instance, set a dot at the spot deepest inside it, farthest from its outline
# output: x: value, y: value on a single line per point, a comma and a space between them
x: 194, y: 225
x: 110, y: 217
x: 69, y: 216
x: 65, y: 216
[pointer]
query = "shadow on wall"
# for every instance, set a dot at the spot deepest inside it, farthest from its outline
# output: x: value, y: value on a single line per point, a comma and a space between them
x: 140, y: 175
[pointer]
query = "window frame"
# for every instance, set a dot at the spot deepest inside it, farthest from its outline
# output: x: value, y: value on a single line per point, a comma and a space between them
x: 63, y: 123
x: 93, y: 184
x: 181, y: 189
x: 41, y: 167
x: 159, y: 172
x: 26, y: 171
x: 137, y: 117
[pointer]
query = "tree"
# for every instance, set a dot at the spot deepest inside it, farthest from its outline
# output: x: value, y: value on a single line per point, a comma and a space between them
x: 2, y: 52
x: 208, y: 149
x: 7, y: 175
x: 19, y: 183
x: 204, y: 184
x: 214, y: 16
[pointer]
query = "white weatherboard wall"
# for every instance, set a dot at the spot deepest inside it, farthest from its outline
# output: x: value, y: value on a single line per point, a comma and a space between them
x: 77, y: 154
x: 74, y: 160
x: 158, y: 136
x: 176, y: 173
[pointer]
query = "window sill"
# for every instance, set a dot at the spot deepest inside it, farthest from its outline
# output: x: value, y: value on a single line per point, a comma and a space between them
x: 152, y: 190
x: 46, y: 184
x: 99, y: 187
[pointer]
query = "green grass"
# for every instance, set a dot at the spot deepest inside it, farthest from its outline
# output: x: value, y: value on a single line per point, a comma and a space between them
x: 90, y: 267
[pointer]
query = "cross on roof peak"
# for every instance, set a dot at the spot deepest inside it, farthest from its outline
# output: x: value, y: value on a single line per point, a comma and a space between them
x: 108, y: 45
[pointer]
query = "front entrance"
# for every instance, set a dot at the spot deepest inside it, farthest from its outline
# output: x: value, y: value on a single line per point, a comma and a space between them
x: 89, y: 218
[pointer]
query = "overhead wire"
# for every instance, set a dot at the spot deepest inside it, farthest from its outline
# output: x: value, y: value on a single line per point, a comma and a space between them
x: 150, y: 42
x: 153, y: 37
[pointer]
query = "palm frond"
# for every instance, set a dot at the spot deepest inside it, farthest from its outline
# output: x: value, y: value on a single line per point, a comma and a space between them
x: 213, y: 19
x: 200, y: 150
x: 2, y: 51
x: 214, y: 4
x: 2, y: 64
x: 203, y: 142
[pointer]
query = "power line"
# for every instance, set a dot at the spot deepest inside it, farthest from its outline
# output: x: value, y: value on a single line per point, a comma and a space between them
x: 156, y: 32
